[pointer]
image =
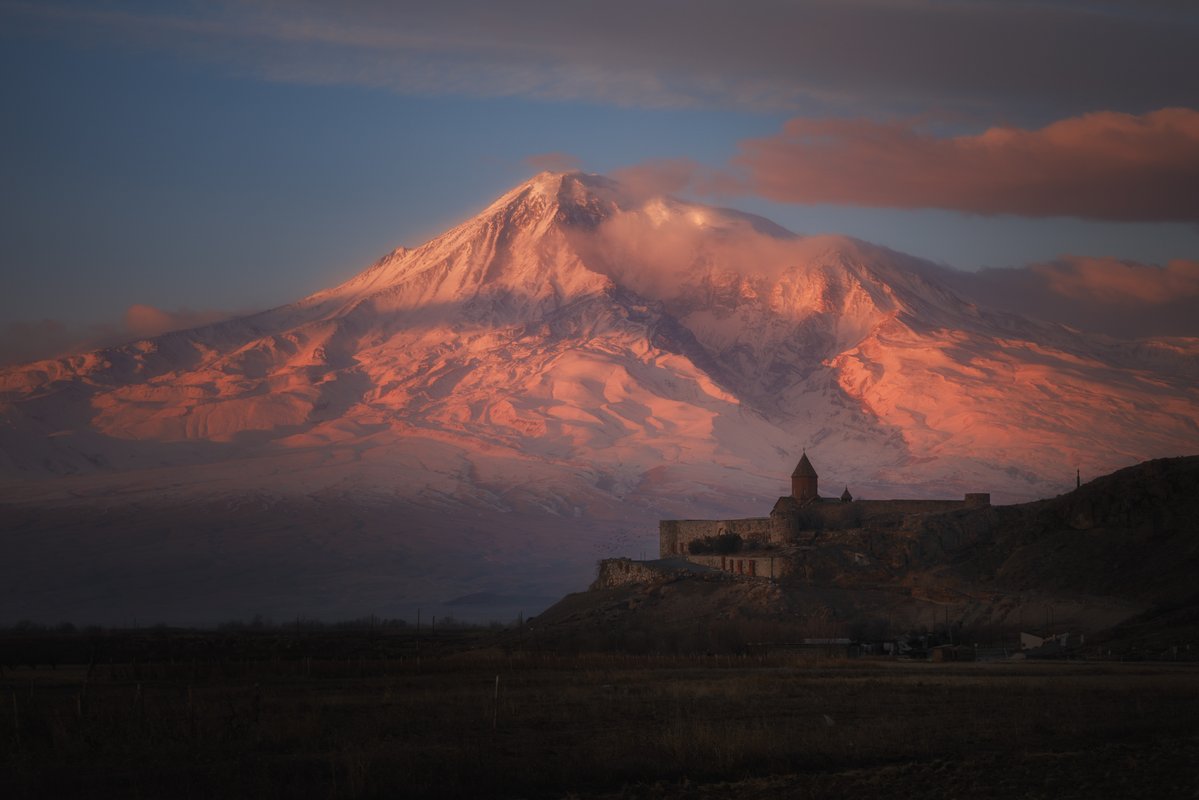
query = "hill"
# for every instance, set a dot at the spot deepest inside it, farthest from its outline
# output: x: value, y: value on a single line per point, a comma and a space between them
x: 1118, y: 556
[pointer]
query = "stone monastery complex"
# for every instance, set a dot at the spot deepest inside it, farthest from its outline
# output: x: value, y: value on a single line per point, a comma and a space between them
x: 764, y: 546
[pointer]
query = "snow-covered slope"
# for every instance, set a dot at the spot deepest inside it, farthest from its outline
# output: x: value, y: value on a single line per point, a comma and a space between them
x: 575, y: 349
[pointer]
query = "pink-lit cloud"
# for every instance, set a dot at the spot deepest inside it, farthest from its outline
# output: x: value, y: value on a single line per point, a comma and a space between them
x: 143, y: 321
x: 1103, y: 295
x: 652, y: 252
x: 31, y: 340
x: 669, y: 176
x: 1102, y: 165
x: 554, y: 162
x: 1122, y: 283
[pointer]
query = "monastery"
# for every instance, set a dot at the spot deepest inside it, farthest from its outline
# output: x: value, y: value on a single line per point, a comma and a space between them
x: 757, y: 546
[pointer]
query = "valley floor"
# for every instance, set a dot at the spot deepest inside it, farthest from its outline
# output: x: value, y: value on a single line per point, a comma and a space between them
x: 389, y: 715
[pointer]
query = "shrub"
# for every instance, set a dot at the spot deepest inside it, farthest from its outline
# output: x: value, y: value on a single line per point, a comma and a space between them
x: 723, y: 544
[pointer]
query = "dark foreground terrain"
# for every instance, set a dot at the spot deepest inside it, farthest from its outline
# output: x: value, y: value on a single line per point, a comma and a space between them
x: 270, y: 714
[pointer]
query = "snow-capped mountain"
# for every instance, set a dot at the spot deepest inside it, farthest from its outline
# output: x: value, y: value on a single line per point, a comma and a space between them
x: 586, y: 360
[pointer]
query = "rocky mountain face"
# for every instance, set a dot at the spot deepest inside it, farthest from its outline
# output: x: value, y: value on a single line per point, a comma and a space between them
x: 587, y: 360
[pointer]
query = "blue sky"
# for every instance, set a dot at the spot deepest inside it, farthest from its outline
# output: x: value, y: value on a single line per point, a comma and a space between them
x: 237, y: 155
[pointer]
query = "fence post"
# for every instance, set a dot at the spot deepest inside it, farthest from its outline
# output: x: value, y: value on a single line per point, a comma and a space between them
x: 495, y: 709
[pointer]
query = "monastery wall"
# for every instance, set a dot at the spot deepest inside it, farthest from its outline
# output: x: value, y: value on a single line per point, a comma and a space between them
x: 797, y: 518
x: 752, y: 566
x: 870, y: 513
x: 621, y: 571
x: 674, y: 535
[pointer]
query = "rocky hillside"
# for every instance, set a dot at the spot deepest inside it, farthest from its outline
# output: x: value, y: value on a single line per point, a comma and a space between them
x: 1119, y: 554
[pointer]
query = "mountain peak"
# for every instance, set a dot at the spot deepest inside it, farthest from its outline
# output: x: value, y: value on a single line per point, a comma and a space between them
x: 550, y: 183
x: 556, y: 187
x: 574, y: 198
x: 516, y: 252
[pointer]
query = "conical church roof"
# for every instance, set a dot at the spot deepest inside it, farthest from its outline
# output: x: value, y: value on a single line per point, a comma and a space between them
x: 804, y: 468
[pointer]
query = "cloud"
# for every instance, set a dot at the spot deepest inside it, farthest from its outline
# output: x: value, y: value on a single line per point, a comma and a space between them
x: 554, y: 162
x: 31, y: 340
x: 1104, y: 295
x: 1122, y: 283
x: 659, y: 250
x: 822, y: 56
x: 1103, y: 165
x: 146, y: 321
x: 670, y: 176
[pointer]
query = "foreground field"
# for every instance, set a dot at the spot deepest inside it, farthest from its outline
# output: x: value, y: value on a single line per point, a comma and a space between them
x: 484, y: 723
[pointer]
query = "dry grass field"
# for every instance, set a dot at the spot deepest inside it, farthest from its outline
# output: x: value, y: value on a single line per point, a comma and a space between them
x: 305, y: 717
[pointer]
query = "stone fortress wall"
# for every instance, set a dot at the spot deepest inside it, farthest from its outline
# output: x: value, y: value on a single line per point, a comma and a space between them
x: 752, y: 564
x: 621, y: 571
x: 675, y: 535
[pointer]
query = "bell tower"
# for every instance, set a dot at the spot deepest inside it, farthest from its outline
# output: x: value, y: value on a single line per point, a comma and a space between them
x: 803, y: 481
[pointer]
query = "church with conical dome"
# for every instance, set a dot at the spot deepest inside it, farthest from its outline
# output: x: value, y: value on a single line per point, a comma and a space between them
x: 804, y: 481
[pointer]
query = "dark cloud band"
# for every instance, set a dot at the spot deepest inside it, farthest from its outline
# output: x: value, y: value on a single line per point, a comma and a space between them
x: 1022, y: 60
x: 1105, y: 165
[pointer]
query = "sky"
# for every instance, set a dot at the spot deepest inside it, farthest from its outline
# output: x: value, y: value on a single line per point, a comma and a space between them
x: 166, y: 164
